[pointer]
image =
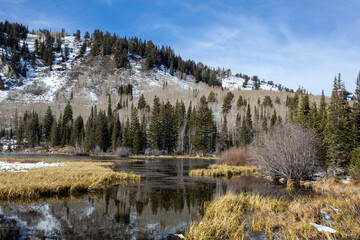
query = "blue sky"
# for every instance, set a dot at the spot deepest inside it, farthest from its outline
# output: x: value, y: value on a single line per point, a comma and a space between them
x: 305, y: 42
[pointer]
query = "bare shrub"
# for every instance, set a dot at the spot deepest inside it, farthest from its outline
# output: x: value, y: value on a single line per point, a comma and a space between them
x: 123, y: 151
x: 287, y: 151
x: 235, y: 157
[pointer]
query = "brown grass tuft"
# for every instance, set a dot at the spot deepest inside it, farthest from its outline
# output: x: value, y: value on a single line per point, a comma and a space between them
x: 248, y: 215
x: 72, y: 179
x: 215, y: 170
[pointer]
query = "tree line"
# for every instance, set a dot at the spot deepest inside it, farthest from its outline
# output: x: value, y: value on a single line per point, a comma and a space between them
x: 177, y: 128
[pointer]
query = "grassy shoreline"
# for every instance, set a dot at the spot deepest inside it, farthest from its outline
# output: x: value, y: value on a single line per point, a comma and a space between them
x: 216, y: 170
x: 115, y: 156
x: 174, y: 157
x: 72, y: 179
x: 249, y: 214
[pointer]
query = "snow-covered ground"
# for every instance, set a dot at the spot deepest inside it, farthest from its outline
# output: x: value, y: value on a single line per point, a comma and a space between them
x: 236, y: 83
x: 157, y: 77
x: 41, y: 85
x: 24, y: 167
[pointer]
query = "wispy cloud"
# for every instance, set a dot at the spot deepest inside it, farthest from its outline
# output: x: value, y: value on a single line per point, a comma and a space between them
x: 274, y: 51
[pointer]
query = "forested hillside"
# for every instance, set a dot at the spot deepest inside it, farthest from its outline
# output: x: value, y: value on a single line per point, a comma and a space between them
x: 143, y: 98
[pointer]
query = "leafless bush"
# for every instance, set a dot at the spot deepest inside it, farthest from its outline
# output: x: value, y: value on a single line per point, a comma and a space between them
x: 235, y: 157
x: 287, y: 151
x: 123, y: 151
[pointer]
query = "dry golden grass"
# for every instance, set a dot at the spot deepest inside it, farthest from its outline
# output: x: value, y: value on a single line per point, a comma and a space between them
x: 248, y: 214
x: 72, y: 179
x: 216, y: 170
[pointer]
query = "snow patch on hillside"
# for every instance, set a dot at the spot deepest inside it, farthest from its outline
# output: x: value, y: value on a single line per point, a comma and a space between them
x: 158, y: 77
x: 237, y: 83
x: 41, y: 85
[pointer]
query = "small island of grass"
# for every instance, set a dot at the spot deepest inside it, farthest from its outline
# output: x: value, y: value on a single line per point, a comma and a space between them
x: 216, y: 170
x: 69, y: 178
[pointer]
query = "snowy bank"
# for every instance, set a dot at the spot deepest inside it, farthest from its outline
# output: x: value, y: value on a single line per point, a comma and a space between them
x: 23, y: 167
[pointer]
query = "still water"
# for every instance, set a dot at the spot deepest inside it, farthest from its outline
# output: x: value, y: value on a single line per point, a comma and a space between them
x: 165, y: 202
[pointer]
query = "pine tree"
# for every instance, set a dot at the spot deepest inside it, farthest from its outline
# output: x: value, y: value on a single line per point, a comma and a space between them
x: 54, y: 136
x: 67, y: 122
x: 304, y: 110
x: 77, y: 35
x: 212, y: 97
x: 224, y: 136
x: 116, y: 134
x: 204, y: 134
x: 128, y: 134
x: 155, y: 125
x: 246, y: 132
x: 141, y: 102
x: 76, y: 138
x: 168, y: 124
x: 109, y: 110
x: 82, y: 49
x: 227, y: 102
x: 20, y: 134
x: 136, y: 133
x: 240, y: 102
x: 34, y: 130
x: 102, y: 138
x: 48, y: 122
x: 339, y: 128
x: 273, y: 119
x: 356, y: 111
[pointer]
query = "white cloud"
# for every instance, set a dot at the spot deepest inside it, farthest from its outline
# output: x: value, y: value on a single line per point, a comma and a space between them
x: 274, y: 51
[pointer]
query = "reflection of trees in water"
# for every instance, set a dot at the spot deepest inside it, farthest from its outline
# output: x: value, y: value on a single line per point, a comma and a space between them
x: 163, y: 203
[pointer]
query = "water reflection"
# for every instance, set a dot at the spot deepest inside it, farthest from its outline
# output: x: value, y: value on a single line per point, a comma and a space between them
x: 165, y: 202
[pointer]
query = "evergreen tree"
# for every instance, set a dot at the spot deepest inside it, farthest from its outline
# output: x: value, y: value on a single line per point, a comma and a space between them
x: 204, y: 134
x: 304, y: 110
x: 212, y: 97
x: 20, y: 134
x: 136, y: 133
x: 54, y: 134
x: 224, y: 136
x: 77, y: 130
x: 77, y: 35
x: 141, y: 102
x: 48, y: 122
x: 116, y: 134
x: 128, y: 134
x: 102, y: 138
x: 246, y: 132
x: 67, y: 122
x: 155, y: 125
x: 82, y: 49
x: 339, y: 128
x: 109, y: 110
x: 240, y: 102
x: 34, y: 130
x: 273, y: 119
x: 168, y: 124
x: 356, y: 112
x: 227, y: 102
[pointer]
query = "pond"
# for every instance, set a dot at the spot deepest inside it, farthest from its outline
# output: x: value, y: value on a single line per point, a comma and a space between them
x: 165, y: 202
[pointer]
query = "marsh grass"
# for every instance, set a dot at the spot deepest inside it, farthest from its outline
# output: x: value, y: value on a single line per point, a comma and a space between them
x: 70, y: 180
x: 216, y: 170
x: 249, y: 214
